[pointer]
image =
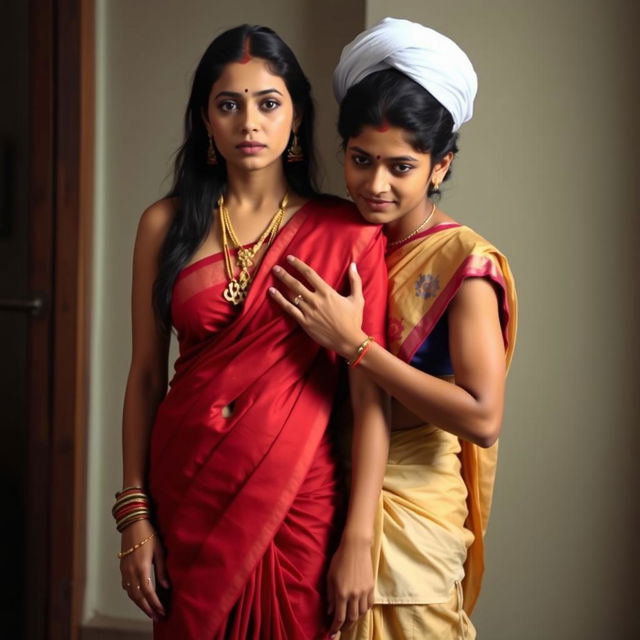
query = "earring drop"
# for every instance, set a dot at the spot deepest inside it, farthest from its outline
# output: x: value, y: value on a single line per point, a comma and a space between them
x: 295, y: 152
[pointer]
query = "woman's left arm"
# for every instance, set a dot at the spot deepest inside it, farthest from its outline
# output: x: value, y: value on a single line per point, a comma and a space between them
x: 472, y: 407
x: 350, y: 579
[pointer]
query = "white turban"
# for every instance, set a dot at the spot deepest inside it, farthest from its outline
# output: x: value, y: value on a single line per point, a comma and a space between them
x: 424, y: 55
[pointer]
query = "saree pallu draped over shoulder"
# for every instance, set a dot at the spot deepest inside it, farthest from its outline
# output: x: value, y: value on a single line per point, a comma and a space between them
x: 241, y: 474
x: 424, y: 276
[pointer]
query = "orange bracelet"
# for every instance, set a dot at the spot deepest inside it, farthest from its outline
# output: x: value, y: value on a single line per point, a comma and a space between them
x: 361, y: 352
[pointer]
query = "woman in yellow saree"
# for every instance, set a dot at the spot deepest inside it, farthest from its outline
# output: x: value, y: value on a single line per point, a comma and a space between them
x: 404, y: 92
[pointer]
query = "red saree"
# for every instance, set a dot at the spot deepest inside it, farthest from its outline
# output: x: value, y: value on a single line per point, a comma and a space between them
x: 246, y: 504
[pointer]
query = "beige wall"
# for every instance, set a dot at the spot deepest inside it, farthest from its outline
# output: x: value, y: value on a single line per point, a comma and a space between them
x: 146, y: 54
x: 547, y: 171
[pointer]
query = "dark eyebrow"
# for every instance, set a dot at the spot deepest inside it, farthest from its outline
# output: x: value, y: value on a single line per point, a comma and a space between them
x: 235, y: 94
x: 396, y: 159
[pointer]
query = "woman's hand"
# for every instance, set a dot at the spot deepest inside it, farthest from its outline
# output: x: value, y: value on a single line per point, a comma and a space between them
x: 136, y: 568
x: 332, y: 320
x: 350, y: 583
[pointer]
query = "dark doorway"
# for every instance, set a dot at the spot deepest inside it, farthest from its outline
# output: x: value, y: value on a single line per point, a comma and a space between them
x: 14, y: 313
x: 46, y: 173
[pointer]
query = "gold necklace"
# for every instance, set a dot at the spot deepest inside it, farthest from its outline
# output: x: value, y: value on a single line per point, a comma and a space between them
x: 415, y: 231
x: 236, y: 291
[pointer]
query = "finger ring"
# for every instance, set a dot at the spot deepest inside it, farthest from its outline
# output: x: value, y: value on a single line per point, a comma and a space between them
x: 298, y: 299
x: 127, y: 584
x: 138, y: 587
x: 148, y: 579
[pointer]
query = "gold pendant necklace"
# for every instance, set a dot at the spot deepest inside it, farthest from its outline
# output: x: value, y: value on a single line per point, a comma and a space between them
x: 237, y: 289
x: 422, y: 225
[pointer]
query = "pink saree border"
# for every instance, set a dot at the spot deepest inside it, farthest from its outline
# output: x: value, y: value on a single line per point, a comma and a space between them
x: 472, y: 267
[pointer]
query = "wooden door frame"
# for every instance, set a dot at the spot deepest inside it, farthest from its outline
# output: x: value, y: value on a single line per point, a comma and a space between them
x: 61, y: 148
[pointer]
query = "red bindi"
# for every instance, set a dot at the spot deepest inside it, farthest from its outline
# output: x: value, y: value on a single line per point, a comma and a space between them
x: 384, y: 126
x: 246, y: 54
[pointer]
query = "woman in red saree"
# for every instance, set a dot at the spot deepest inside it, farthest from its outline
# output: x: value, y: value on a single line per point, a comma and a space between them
x: 237, y: 501
x: 451, y: 329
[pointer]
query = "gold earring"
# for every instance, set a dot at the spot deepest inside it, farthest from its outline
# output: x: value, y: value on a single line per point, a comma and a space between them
x: 295, y: 152
x: 212, y: 158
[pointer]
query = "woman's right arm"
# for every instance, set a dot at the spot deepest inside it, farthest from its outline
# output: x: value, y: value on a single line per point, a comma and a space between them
x: 146, y: 387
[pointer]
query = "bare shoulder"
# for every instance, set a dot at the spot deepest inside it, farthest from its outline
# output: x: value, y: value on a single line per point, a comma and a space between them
x: 153, y: 226
x: 473, y: 293
x: 157, y: 218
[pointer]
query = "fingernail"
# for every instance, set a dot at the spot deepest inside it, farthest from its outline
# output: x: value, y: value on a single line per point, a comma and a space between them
x: 277, y: 269
x: 354, y: 267
x: 291, y: 259
x: 272, y: 290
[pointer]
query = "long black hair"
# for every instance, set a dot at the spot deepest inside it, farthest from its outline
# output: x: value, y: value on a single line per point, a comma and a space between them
x: 197, y: 185
x: 391, y: 97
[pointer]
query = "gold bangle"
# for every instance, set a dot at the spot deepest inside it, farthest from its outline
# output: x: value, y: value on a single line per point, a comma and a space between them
x: 141, y: 497
x: 122, y: 502
x: 118, y: 493
x: 137, y: 512
x: 122, y: 554
x: 360, y: 349
x: 128, y: 524
x: 121, y: 525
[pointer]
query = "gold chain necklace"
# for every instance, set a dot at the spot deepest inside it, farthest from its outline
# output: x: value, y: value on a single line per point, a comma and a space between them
x: 415, y: 231
x: 236, y: 291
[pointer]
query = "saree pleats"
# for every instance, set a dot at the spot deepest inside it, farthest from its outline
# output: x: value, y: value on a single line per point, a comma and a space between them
x: 421, y: 542
x: 282, y: 597
x: 237, y: 443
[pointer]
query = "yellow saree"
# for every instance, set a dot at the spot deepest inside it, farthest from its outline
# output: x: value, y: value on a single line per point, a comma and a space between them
x: 428, y: 549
